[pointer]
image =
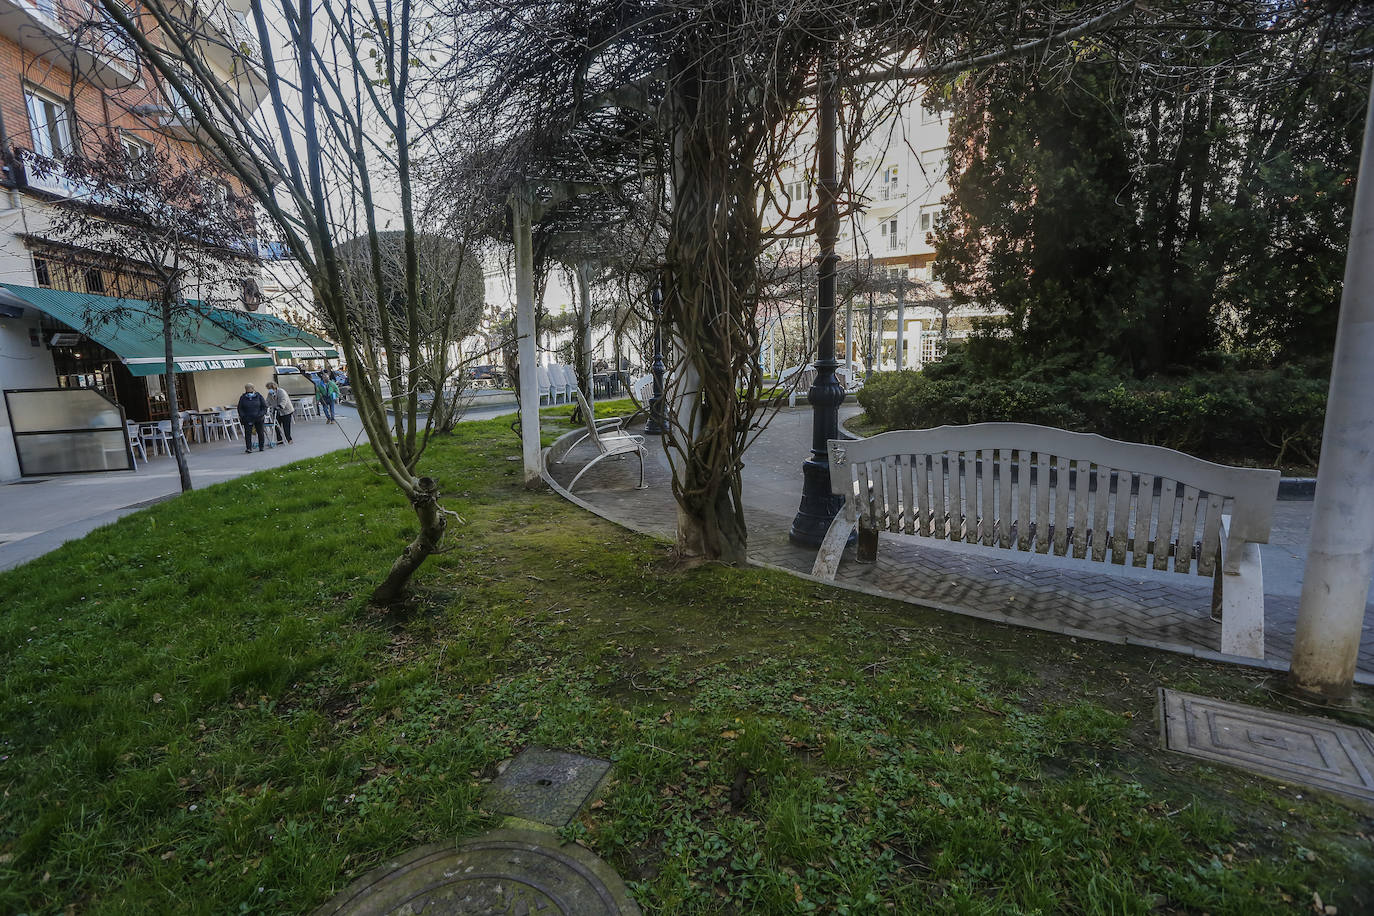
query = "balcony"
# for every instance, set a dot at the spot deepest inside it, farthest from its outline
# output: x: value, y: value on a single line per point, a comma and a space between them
x: 50, y: 32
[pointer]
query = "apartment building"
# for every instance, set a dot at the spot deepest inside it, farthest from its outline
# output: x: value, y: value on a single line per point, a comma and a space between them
x: 899, y: 185
x: 68, y: 82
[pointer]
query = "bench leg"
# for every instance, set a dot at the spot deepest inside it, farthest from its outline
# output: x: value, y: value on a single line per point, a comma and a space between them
x: 866, y: 549
x: 832, y: 548
x: 1238, y: 601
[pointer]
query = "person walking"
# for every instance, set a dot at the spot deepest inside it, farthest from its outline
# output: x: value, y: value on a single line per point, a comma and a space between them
x: 252, y: 413
x: 327, y: 392
x: 278, y: 399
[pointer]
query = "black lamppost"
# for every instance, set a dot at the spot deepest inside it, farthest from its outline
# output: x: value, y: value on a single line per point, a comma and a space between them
x: 655, y: 425
x: 818, y: 504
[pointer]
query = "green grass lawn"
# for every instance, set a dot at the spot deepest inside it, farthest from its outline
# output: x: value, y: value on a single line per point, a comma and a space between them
x: 199, y: 714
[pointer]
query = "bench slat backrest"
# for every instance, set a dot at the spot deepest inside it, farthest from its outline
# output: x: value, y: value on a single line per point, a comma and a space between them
x: 1037, y: 489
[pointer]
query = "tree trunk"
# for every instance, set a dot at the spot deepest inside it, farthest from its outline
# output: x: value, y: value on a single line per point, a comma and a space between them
x: 173, y: 404
x: 425, y: 500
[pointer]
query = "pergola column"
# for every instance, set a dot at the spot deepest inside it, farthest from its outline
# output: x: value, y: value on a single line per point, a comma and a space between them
x: 522, y: 216
x: 1335, y: 583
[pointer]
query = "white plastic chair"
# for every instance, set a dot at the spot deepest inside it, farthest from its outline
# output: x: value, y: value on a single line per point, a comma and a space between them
x: 610, y: 443
x: 165, y: 427
x: 226, y: 422
x: 544, y: 383
x: 136, y: 443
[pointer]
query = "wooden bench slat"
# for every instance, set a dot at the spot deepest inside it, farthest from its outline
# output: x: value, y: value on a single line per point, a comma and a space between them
x: 908, y: 494
x: 969, y: 473
x: 1082, y: 474
x: 939, y: 494
x: 1042, y: 503
x: 1144, y: 509
x: 1164, y: 529
x: 1187, y: 530
x: 1102, y: 485
x: 924, y: 521
x: 1211, y: 529
x: 1121, y: 516
x: 987, y: 526
x: 1005, y: 519
x: 1025, y: 504
x: 894, y: 497
x: 1061, y: 505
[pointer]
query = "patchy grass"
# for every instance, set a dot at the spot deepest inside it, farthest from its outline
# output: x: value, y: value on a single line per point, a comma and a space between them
x: 200, y: 715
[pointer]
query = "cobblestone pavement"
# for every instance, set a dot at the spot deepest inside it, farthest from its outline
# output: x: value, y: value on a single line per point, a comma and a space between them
x: 1149, y: 609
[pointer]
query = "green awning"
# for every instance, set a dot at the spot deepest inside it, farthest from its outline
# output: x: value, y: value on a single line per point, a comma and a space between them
x: 132, y: 329
x: 281, y: 338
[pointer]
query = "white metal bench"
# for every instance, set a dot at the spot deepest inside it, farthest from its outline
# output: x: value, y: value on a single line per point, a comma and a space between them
x: 1016, y: 487
x: 609, y: 442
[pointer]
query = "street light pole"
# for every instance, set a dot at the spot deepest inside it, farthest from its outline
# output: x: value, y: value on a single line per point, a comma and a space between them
x: 818, y: 504
x: 655, y: 425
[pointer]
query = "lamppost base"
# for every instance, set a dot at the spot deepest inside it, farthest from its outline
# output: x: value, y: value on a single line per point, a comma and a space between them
x: 655, y: 425
x: 818, y: 506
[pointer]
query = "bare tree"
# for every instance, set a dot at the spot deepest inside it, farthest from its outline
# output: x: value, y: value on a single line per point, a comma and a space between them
x: 336, y: 153
x: 449, y: 306
x: 168, y: 228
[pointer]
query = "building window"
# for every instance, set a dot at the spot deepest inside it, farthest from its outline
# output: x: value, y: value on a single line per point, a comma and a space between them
x: 889, y: 232
x: 933, y: 164
x: 95, y: 281
x: 40, y: 272
x: 890, y: 186
x: 930, y: 216
x: 139, y: 153
x: 50, y: 123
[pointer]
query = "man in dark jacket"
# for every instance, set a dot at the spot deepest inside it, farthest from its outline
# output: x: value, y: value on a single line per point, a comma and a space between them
x: 252, y: 413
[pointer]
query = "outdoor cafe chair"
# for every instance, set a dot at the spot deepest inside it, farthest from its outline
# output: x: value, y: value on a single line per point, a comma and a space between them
x: 165, y: 426
x: 136, y: 443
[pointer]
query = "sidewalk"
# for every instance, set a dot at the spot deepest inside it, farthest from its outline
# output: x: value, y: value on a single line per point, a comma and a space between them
x: 1164, y: 609
x: 39, y: 514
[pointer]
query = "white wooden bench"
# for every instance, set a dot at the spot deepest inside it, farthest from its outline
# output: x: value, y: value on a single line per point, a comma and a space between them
x: 1016, y: 487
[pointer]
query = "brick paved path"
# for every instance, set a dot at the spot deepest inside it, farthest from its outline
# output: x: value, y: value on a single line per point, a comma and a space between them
x: 1165, y: 609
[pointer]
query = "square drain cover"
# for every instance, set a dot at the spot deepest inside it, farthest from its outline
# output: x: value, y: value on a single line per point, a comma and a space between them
x: 1300, y: 749
x: 545, y: 785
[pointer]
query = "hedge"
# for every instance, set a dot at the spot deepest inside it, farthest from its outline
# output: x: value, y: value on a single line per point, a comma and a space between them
x: 1270, y: 417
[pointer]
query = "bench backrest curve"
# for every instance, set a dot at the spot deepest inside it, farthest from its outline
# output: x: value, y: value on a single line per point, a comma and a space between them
x: 1039, y: 489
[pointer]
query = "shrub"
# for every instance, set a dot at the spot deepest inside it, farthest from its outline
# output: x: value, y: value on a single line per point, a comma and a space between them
x: 1268, y: 416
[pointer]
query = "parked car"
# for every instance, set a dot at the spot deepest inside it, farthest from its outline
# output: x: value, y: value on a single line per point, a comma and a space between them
x: 294, y: 382
x: 488, y: 377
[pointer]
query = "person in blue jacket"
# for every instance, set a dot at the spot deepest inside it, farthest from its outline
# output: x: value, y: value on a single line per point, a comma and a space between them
x: 252, y: 413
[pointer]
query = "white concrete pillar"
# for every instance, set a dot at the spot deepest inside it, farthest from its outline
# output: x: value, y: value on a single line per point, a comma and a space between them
x: 901, y: 332
x: 522, y: 213
x: 848, y: 336
x: 584, y: 292
x: 1340, y: 559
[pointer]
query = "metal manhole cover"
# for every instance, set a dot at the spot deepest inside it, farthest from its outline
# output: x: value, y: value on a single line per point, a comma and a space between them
x: 544, y: 785
x: 1301, y: 749
x: 505, y: 872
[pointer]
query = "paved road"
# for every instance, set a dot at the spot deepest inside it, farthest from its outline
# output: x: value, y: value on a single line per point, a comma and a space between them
x: 40, y: 514
x: 1154, y: 608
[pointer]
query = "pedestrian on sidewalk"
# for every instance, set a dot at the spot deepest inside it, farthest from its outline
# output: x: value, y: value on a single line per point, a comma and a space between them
x: 278, y: 398
x: 252, y: 413
x: 327, y: 392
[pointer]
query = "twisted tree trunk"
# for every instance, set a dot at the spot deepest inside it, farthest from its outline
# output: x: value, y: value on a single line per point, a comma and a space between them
x: 424, y: 498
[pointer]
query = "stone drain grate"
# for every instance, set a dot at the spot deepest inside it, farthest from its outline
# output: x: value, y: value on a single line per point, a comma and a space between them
x: 545, y: 786
x: 1299, y: 749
